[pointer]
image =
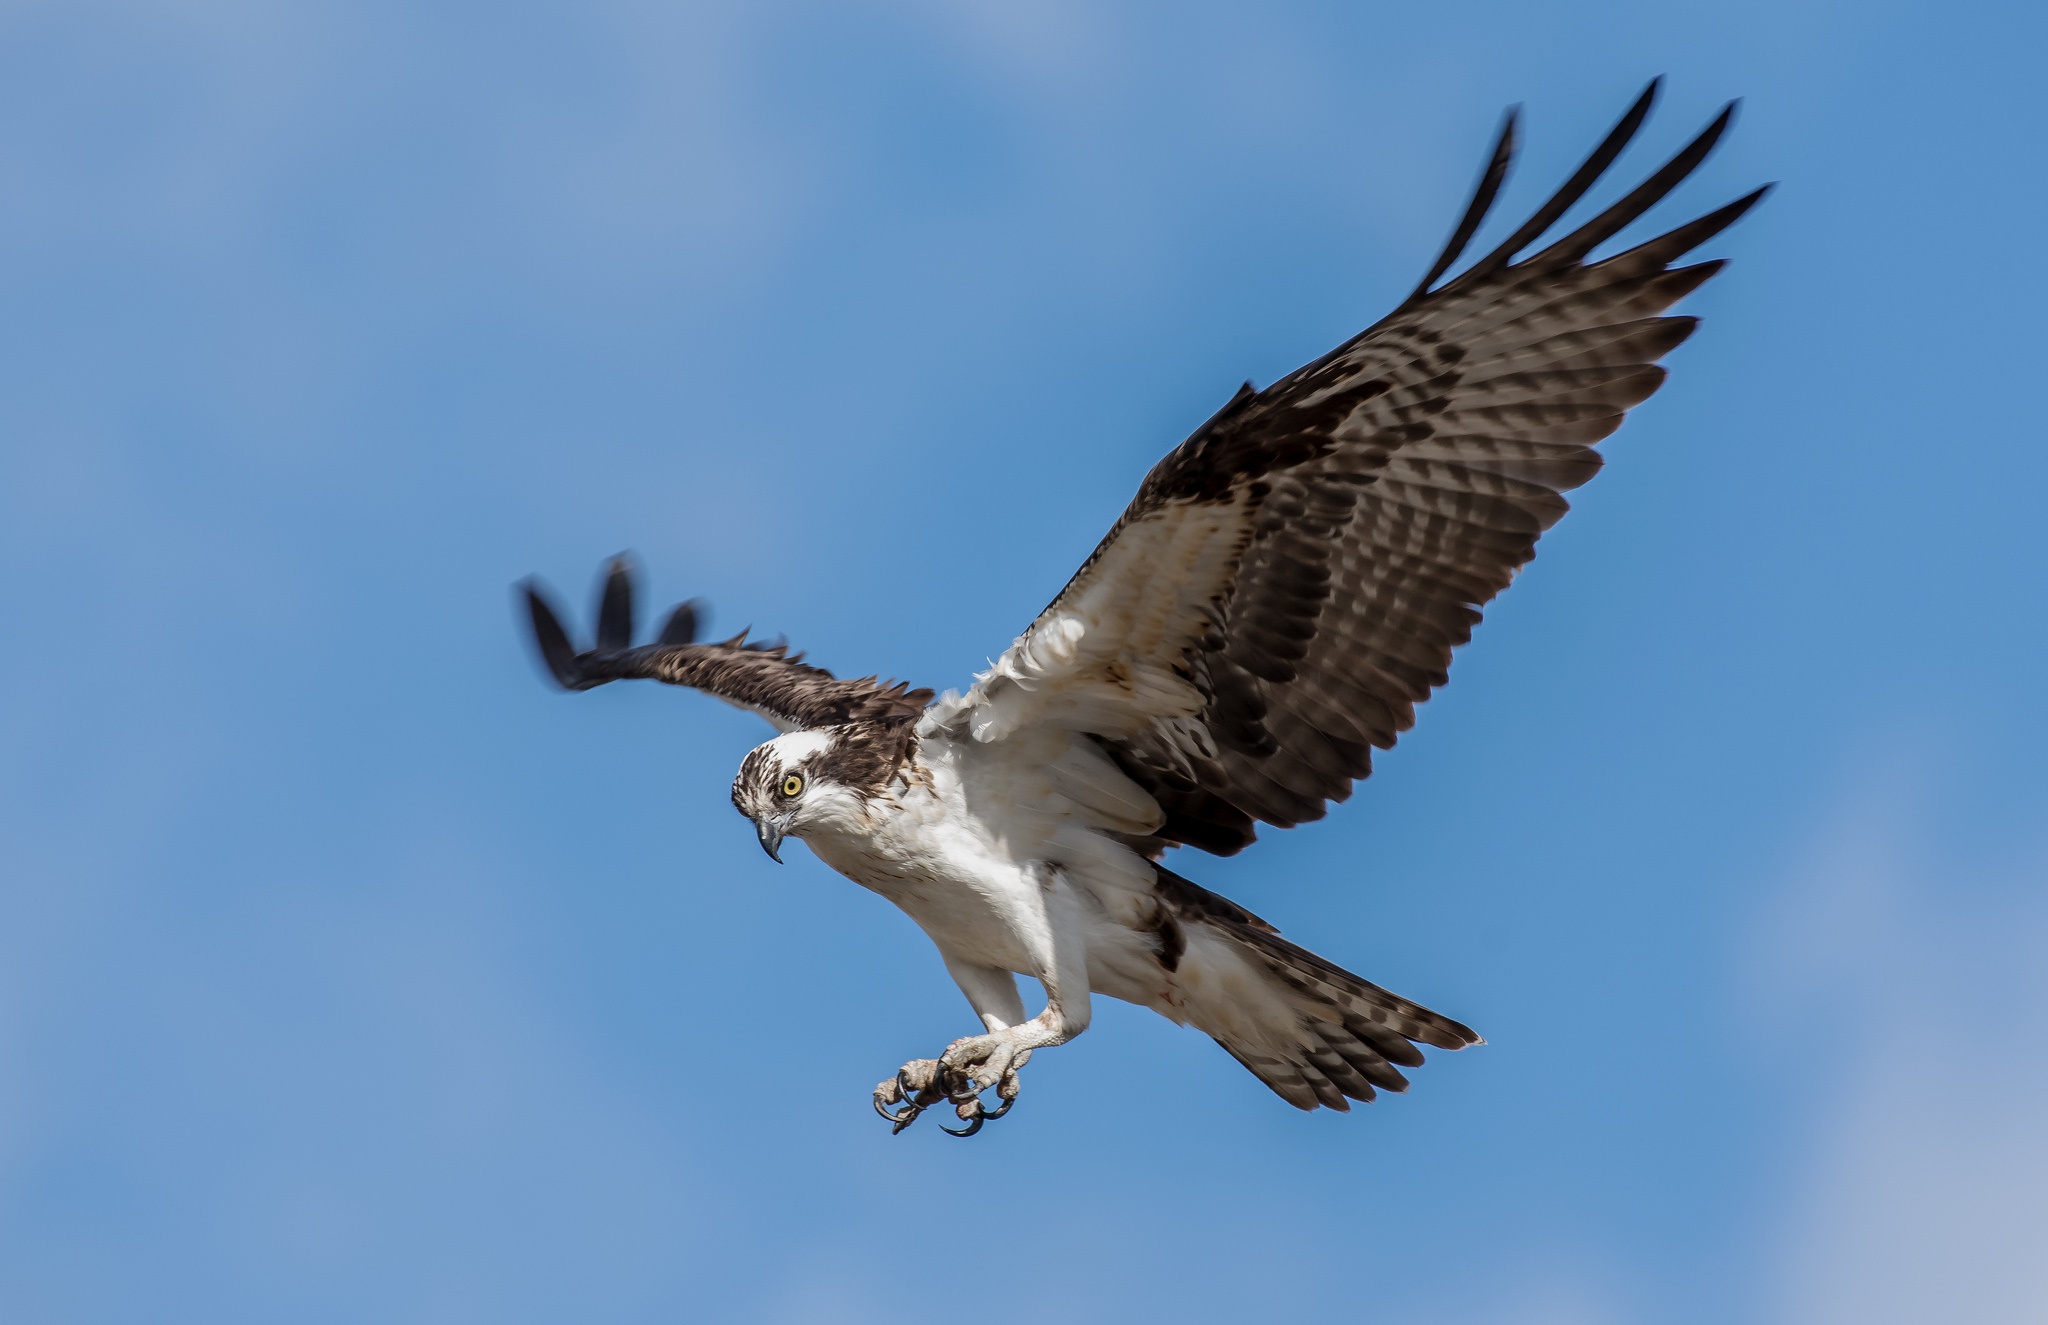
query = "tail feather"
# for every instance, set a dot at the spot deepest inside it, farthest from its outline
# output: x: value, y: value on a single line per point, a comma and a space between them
x: 1364, y: 1004
x: 1283, y: 1078
x: 1316, y: 1034
x: 1371, y: 1061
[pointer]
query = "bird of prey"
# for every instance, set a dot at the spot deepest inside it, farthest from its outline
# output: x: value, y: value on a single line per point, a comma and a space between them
x: 1287, y: 585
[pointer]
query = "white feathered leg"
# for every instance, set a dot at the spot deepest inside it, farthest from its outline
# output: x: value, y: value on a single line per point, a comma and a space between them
x: 990, y: 990
x: 1048, y: 921
x: 1055, y: 942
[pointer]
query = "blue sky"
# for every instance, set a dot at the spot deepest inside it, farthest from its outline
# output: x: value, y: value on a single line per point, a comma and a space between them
x: 348, y: 972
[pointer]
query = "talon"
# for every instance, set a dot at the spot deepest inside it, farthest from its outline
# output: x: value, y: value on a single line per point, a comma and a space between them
x: 894, y: 1092
x: 970, y: 1112
x: 922, y: 1096
x: 931, y: 1091
x: 1006, y: 1091
x: 905, y: 1118
x: 921, y: 1084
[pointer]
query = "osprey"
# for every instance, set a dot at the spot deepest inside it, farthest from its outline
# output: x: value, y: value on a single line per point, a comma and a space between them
x: 1287, y: 585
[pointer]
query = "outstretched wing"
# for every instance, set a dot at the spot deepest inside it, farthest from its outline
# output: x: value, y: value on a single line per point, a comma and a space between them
x: 757, y: 676
x: 1290, y: 582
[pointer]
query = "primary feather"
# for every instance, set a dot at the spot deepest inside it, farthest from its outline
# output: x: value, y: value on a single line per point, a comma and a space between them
x: 1291, y: 580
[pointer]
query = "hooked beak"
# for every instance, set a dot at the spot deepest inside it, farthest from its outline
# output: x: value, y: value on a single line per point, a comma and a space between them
x: 770, y: 834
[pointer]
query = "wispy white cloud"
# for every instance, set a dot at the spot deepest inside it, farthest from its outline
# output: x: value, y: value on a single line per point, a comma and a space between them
x: 1569, y: 1292
x: 1922, y: 963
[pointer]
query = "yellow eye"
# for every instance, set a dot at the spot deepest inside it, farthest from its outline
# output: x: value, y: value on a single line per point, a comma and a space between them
x: 792, y: 785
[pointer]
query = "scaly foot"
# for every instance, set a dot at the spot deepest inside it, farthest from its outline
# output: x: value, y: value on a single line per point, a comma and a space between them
x: 967, y: 1068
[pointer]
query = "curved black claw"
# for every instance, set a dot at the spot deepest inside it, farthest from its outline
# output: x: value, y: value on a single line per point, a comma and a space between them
x: 915, y: 1100
x: 953, y: 1087
x: 1007, y: 1091
x: 967, y: 1104
x: 905, y: 1118
x: 911, y: 1093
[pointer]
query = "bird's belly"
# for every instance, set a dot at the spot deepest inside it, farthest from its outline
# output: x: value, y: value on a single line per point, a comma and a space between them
x: 968, y: 903
x: 972, y: 904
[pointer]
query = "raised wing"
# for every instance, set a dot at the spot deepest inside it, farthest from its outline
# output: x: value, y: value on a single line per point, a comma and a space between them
x: 757, y: 676
x: 1291, y: 580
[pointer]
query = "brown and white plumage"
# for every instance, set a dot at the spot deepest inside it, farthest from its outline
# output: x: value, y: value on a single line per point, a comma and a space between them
x: 1291, y: 580
x: 1286, y: 586
x: 760, y: 677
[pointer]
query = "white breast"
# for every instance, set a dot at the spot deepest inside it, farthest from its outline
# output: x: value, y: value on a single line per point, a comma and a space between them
x: 955, y: 845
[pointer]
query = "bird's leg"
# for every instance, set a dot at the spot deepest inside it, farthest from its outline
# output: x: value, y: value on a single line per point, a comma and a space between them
x: 1053, y: 939
x: 1055, y: 942
x: 921, y: 1083
x: 993, y: 993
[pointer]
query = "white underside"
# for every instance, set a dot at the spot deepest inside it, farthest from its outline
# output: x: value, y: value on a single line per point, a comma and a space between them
x: 1002, y: 855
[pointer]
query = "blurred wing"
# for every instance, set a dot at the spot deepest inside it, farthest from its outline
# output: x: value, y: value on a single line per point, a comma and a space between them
x: 762, y: 678
x: 1290, y: 582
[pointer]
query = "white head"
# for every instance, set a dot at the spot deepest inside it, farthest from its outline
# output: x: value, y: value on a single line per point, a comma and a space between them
x: 824, y: 779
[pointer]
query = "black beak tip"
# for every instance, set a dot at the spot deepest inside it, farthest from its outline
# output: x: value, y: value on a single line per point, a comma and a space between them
x: 771, y: 841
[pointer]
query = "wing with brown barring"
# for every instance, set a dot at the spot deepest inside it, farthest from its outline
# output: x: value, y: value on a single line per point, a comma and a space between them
x: 1391, y: 488
x: 762, y: 676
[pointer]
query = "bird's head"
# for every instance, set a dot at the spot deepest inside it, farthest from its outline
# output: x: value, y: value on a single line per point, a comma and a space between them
x: 805, y: 781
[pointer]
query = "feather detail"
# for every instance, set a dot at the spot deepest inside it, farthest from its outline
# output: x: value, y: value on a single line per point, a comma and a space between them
x: 1291, y: 580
